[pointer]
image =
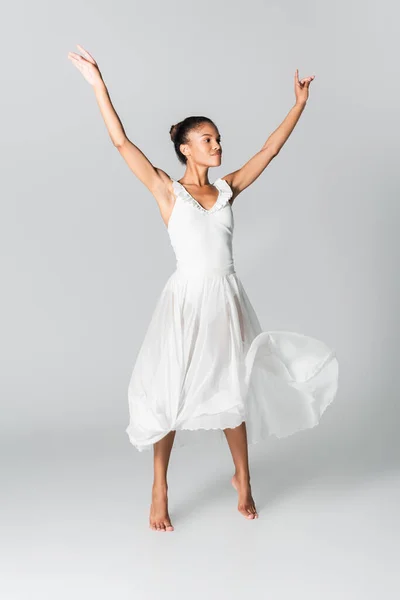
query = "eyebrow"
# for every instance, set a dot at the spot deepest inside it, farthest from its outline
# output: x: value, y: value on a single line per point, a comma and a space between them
x: 210, y: 134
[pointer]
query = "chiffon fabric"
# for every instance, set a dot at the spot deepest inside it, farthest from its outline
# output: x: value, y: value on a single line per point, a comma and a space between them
x: 205, y: 364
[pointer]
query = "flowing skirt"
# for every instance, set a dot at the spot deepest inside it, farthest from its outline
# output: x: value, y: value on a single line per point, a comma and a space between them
x: 205, y: 365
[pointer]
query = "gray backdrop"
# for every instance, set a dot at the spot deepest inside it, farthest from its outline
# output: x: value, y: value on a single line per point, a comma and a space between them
x: 85, y: 254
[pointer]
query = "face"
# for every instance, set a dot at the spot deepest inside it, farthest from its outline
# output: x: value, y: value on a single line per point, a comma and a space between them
x: 204, y: 147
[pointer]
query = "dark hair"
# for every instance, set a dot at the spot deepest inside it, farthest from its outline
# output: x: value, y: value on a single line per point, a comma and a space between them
x: 180, y: 133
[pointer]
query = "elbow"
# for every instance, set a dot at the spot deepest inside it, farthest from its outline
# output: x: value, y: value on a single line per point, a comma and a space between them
x: 275, y: 151
x: 272, y: 150
x: 118, y: 143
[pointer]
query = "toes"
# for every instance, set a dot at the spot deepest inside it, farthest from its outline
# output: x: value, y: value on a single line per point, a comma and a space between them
x: 248, y: 512
x: 161, y: 526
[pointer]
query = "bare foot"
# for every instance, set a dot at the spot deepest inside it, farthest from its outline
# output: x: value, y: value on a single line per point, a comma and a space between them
x: 159, y: 517
x: 246, y: 504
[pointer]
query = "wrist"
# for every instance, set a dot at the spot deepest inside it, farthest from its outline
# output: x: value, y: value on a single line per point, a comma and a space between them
x: 99, y: 85
x: 301, y: 103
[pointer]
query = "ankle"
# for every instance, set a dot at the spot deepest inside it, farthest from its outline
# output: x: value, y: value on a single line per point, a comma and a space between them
x: 242, y: 476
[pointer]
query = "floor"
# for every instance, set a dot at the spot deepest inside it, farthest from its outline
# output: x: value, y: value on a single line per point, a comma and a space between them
x: 74, y: 521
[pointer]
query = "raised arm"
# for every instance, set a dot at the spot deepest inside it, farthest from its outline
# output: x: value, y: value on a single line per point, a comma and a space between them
x: 243, y: 177
x: 154, y: 179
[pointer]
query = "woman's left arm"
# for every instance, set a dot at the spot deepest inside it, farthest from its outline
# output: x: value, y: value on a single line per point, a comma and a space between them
x: 243, y: 177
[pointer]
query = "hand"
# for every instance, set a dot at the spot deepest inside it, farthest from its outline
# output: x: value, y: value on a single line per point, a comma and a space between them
x: 87, y: 66
x: 301, y: 87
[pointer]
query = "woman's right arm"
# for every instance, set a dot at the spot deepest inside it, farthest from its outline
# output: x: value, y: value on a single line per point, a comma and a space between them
x: 154, y: 179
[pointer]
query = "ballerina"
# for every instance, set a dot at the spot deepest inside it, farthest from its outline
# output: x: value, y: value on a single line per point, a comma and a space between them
x: 205, y: 363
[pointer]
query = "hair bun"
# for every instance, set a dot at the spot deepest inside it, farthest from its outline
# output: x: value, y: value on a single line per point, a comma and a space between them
x: 173, y: 130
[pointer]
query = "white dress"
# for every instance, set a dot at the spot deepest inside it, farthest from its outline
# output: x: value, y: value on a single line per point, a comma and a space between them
x: 205, y: 364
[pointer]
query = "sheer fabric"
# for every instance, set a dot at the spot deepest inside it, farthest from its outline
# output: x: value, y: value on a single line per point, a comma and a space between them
x: 205, y: 363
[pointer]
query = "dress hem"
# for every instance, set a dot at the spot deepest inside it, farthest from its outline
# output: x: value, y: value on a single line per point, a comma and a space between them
x: 250, y: 442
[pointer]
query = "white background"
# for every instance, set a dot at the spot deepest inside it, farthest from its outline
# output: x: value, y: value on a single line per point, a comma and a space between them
x: 85, y: 254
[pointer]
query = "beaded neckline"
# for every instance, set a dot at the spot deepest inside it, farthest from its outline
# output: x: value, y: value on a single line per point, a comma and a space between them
x: 223, y: 196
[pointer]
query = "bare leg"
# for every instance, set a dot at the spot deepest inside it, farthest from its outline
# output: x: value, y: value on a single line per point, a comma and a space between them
x: 159, y: 517
x: 237, y: 440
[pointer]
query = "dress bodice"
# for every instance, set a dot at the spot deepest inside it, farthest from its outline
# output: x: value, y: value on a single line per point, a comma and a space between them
x: 201, y: 238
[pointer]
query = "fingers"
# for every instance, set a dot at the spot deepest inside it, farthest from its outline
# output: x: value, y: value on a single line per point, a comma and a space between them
x: 73, y: 59
x: 86, y: 54
x: 75, y: 56
x: 306, y: 80
x: 77, y: 64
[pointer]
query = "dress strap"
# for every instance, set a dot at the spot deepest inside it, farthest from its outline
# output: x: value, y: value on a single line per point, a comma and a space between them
x: 225, y: 191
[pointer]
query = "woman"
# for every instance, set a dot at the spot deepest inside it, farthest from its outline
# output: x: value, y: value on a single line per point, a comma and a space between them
x: 205, y: 363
